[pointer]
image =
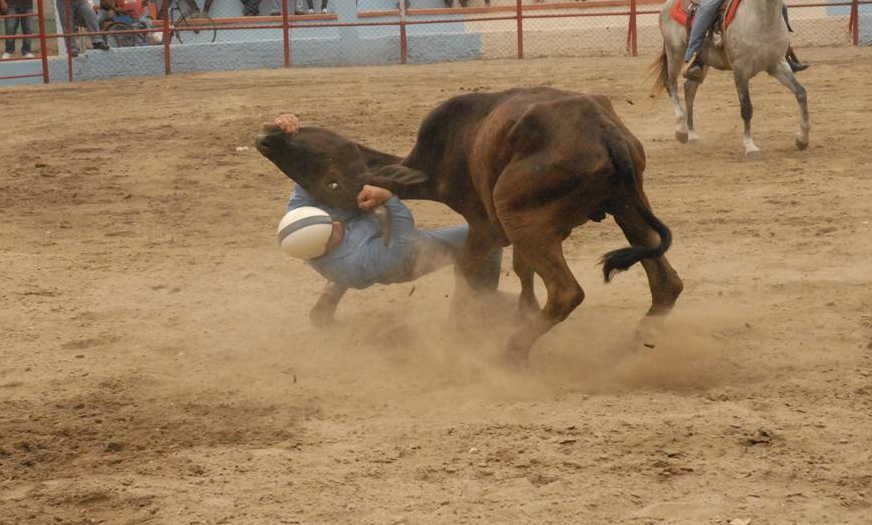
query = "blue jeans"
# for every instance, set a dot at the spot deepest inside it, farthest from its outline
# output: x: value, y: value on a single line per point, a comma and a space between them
x: 26, y: 28
x: 705, y: 16
x: 82, y: 14
x: 441, y: 247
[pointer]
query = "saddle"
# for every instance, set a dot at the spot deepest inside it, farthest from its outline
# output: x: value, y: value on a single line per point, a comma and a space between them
x: 684, y: 10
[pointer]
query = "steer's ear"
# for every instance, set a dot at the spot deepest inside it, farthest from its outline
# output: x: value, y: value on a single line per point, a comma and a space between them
x: 402, y: 181
x: 375, y: 159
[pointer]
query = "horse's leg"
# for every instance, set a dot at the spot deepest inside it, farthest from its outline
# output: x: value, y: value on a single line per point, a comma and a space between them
x: 690, y: 87
x: 673, y: 68
x: 751, y: 149
x: 784, y: 74
x: 527, y: 302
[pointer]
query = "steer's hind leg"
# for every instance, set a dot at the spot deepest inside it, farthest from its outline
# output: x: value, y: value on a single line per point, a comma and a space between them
x: 545, y: 256
x: 527, y: 303
x: 663, y: 280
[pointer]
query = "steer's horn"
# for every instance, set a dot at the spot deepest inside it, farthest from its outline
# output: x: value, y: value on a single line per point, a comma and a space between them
x: 383, y: 215
x: 288, y: 123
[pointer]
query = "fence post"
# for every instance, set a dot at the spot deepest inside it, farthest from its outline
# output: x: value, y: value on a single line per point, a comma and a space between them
x: 404, y: 42
x: 854, y: 22
x: 632, y: 33
x: 69, y: 27
x: 286, y: 37
x: 519, y: 15
x: 43, y: 41
x: 167, y: 36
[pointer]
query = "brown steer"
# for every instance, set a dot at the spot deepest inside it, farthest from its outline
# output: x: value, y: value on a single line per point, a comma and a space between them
x: 523, y: 167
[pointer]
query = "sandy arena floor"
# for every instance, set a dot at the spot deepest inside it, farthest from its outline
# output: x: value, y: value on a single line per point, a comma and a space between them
x: 157, y: 365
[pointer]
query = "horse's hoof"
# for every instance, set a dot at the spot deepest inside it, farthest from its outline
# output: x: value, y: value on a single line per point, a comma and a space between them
x: 681, y: 136
x: 754, y: 155
x: 801, y: 145
x: 692, y: 137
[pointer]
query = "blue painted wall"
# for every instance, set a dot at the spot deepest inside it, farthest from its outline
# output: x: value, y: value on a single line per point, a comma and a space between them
x: 262, y: 48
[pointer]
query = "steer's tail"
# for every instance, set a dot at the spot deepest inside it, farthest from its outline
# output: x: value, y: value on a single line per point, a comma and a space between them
x: 620, y: 260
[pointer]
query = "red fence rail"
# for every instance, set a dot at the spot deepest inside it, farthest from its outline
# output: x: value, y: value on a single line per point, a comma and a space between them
x: 519, y: 13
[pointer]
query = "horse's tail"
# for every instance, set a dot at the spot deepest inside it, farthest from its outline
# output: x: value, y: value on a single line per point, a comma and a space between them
x: 621, y: 259
x: 660, y: 69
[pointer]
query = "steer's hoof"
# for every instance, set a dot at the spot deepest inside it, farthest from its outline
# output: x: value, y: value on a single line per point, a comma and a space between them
x: 322, y: 317
x: 681, y: 136
x: 801, y: 144
x: 516, y: 358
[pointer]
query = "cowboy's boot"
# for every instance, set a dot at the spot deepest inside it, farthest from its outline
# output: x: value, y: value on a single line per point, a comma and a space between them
x: 693, y: 69
x: 794, y: 63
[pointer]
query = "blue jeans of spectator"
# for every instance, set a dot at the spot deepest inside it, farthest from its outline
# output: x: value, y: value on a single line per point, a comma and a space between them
x: 83, y: 14
x: 705, y: 16
x: 441, y: 247
x: 26, y: 28
x: 293, y: 9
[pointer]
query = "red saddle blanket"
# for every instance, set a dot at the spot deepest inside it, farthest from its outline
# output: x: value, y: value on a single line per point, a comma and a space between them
x: 681, y: 12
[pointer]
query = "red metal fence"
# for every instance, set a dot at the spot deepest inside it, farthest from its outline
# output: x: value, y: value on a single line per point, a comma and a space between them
x: 521, y: 16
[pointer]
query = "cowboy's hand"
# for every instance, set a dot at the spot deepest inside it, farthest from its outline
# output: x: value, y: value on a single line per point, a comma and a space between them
x: 371, y: 197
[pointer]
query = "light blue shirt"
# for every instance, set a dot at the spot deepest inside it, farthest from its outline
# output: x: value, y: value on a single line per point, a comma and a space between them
x: 362, y: 259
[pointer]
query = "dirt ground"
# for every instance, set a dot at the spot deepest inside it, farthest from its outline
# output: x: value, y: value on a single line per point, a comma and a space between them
x: 157, y: 364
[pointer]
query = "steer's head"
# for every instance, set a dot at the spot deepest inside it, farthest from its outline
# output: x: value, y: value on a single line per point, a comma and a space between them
x: 327, y: 165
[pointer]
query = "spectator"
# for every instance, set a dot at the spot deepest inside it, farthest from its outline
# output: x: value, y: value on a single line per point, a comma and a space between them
x: 311, y: 4
x: 250, y: 7
x: 82, y: 14
x: 18, y: 7
x: 131, y: 12
x: 297, y: 9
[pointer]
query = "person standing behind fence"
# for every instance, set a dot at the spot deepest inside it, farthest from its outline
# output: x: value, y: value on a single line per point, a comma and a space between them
x: 83, y: 14
x: 311, y: 5
x: 297, y: 10
x: 18, y: 7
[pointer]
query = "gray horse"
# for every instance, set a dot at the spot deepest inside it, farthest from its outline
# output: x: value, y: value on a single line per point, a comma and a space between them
x: 755, y: 41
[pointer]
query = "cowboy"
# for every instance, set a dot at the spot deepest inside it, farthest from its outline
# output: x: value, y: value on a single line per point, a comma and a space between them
x: 706, y: 14
x: 348, y: 248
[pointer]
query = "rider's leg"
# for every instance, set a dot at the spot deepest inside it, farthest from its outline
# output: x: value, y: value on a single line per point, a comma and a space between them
x: 791, y: 57
x: 706, y: 14
x: 793, y: 61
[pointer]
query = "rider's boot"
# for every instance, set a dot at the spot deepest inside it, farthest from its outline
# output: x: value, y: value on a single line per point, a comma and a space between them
x: 693, y: 69
x: 793, y: 61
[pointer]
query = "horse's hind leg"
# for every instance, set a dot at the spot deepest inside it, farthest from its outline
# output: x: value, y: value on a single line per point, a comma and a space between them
x: 784, y: 74
x: 690, y: 88
x: 751, y: 149
x: 673, y: 65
